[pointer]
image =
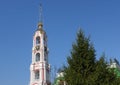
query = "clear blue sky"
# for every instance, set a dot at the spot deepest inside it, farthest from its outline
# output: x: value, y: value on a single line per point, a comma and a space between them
x: 62, y: 18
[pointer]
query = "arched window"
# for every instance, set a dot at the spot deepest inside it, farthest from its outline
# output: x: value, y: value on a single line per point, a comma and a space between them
x: 38, y: 40
x: 37, y: 75
x: 37, y: 57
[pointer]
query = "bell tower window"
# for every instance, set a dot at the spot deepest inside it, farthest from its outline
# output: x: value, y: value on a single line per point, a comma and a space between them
x: 38, y: 40
x: 37, y: 75
x: 37, y: 57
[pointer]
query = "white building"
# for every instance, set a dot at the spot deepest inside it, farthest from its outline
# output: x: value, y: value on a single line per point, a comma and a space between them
x: 60, y: 79
x: 114, y: 64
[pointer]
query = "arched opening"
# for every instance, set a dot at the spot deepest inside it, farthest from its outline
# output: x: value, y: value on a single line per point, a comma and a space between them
x: 37, y: 74
x: 38, y: 40
x: 37, y: 57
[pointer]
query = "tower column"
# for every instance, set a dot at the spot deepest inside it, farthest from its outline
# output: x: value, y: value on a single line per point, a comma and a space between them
x: 39, y: 65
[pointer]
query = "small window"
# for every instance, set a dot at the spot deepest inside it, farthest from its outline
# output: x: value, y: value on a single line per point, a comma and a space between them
x: 45, y: 49
x: 38, y: 40
x: 37, y: 57
x: 37, y: 75
x: 45, y: 57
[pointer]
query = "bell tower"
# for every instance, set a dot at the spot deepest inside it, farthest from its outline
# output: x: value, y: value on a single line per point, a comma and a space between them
x: 40, y: 68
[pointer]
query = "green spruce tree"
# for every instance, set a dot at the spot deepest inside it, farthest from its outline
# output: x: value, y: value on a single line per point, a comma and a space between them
x: 84, y: 69
x: 81, y: 62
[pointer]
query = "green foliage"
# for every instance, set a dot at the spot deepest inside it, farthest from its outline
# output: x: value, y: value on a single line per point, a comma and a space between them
x: 83, y: 68
x: 102, y: 74
x: 81, y: 62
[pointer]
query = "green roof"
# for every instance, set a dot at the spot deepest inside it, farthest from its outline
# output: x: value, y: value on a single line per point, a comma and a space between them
x: 117, y: 71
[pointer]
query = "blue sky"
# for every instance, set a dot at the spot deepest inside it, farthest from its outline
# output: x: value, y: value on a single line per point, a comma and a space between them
x: 62, y: 18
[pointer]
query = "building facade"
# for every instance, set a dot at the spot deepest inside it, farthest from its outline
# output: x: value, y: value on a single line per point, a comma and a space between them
x: 60, y: 80
x: 40, y: 68
x: 116, y: 66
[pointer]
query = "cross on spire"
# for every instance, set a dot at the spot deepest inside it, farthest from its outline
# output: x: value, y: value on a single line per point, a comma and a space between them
x: 40, y: 23
x: 40, y: 14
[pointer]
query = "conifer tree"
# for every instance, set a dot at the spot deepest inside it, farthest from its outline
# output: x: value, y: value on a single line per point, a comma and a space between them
x: 80, y: 62
x: 84, y: 69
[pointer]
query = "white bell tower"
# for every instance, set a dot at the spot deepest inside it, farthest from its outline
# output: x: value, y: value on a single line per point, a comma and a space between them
x: 40, y: 68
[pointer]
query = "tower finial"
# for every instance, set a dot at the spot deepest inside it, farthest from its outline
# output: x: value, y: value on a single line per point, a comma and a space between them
x: 40, y: 15
x: 40, y: 23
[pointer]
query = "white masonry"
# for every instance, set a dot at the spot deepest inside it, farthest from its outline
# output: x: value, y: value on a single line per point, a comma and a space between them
x: 40, y: 68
